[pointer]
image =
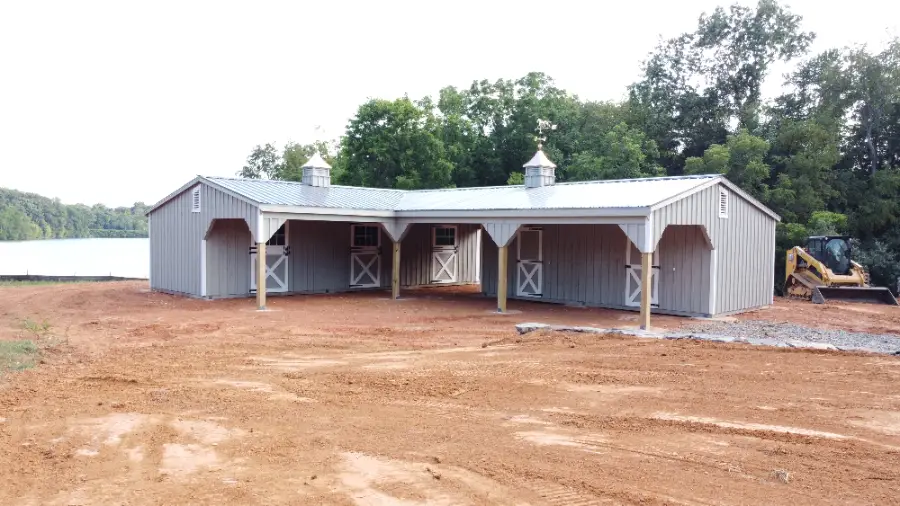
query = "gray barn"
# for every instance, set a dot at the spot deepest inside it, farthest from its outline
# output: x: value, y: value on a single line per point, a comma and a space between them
x: 694, y: 245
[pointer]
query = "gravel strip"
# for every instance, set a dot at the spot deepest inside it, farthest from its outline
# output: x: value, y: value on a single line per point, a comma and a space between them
x: 755, y: 332
x: 785, y: 332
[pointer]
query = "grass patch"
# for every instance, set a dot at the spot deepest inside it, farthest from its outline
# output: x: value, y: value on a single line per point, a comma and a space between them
x: 35, y: 328
x: 12, y: 284
x: 18, y: 355
x: 25, y: 352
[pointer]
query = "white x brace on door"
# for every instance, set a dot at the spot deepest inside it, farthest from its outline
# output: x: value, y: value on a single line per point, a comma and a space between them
x: 365, y: 269
x: 365, y: 256
x: 277, y: 252
x: 633, y: 277
x: 529, y: 264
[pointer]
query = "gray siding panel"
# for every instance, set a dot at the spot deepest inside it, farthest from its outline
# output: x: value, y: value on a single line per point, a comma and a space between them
x: 228, y: 259
x: 320, y: 256
x: 582, y: 264
x: 585, y: 264
x: 415, y: 256
x: 176, y: 233
x: 416, y: 261
x: 745, y: 244
x: 684, y: 266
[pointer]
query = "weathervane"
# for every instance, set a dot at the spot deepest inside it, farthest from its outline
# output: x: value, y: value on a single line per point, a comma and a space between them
x: 542, y: 125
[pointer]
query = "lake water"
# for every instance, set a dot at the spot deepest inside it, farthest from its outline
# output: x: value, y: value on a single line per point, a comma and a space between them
x: 77, y: 257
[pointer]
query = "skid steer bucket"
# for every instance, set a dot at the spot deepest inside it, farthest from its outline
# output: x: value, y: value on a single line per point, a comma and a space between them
x: 877, y: 295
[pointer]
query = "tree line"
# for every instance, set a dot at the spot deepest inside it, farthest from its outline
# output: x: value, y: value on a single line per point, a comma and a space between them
x: 824, y: 154
x: 25, y: 216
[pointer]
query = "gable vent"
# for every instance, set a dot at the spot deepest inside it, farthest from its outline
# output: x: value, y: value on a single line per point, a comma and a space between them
x: 723, y: 204
x: 195, y: 200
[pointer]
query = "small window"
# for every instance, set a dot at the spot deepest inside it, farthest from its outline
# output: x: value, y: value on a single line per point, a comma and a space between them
x: 366, y: 236
x: 195, y: 199
x: 278, y: 238
x: 445, y: 236
x: 723, y: 204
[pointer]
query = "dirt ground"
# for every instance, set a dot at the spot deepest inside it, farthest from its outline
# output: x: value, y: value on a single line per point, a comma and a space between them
x: 359, y: 400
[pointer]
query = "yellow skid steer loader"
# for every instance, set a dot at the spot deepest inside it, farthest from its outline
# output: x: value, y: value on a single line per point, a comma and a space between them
x: 823, y: 270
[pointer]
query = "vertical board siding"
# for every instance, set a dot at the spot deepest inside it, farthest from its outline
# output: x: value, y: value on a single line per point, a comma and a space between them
x: 176, y: 232
x: 585, y: 264
x: 228, y: 259
x: 416, y: 261
x: 320, y: 256
x: 745, y: 244
x: 582, y: 264
x: 684, y: 267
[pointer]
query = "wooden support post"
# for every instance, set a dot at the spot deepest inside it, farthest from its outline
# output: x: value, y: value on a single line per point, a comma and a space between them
x: 501, y: 278
x: 395, y: 272
x: 646, y: 287
x: 261, y: 276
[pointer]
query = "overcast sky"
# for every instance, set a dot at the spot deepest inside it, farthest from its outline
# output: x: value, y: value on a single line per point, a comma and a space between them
x: 124, y: 101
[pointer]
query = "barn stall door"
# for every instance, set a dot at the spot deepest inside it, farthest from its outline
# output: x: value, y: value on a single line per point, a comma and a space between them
x: 277, y: 252
x: 444, y: 254
x: 633, y: 276
x: 529, y: 264
x: 365, y: 256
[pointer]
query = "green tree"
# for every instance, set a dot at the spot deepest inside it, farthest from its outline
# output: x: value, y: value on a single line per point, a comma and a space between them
x: 827, y: 223
x: 395, y: 144
x: 498, y: 120
x: 804, y: 154
x: 516, y: 178
x: 622, y: 152
x: 697, y: 84
x: 16, y: 226
x: 874, y: 87
x: 740, y: 160
x: 263, y: 161
x: 52, y: 219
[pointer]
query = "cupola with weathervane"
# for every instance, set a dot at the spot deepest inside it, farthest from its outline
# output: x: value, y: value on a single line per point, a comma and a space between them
x: 316, y: 172
x: 540, y: 171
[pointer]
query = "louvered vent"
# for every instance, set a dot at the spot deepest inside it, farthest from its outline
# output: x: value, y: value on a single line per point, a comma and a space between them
x: 723, y: 204
x: 195, y: 200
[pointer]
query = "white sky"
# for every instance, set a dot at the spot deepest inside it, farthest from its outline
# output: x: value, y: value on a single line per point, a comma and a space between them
x: 124, y: 101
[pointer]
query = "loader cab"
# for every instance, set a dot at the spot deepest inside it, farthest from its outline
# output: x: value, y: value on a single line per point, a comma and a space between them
x: 832, y: 250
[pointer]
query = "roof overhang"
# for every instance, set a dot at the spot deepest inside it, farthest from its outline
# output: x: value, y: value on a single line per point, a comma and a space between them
x: 314, y: 211
x: 535, y: 216
x: 519, y: 214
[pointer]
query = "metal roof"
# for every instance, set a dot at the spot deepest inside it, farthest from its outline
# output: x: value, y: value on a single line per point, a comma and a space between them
x: 291, y: 193
x: 619, y: 194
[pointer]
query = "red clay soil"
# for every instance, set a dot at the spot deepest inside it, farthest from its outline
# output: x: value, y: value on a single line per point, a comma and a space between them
x: 359, y: 400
